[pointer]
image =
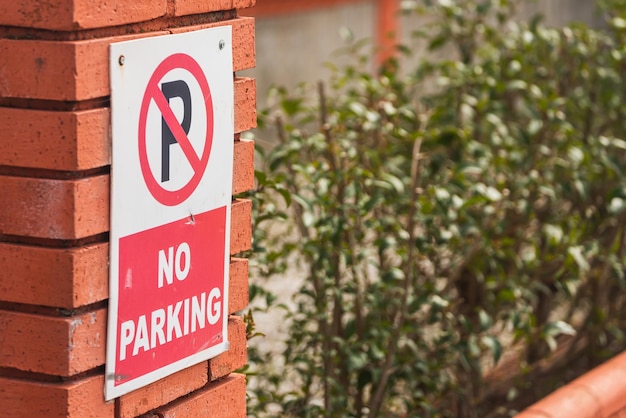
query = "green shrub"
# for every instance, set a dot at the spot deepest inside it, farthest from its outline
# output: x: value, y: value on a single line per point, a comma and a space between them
x: 448, y: 218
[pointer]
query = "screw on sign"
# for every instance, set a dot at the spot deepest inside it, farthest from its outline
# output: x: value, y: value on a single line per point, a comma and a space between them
x: 174, y: 132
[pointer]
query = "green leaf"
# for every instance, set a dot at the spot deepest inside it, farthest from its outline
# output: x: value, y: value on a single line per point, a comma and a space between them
x: 553, y: 233
x: 577, y: 254
x: 494, y: 345
x: 394, y: 181
x: 286, y: 194
x: 308, y: 219
x: 438, y: 42
x: 485, y: 320
x: 618, y: 22
x: 559, y: 328
x: 291, y: 106
x: 616, y: 205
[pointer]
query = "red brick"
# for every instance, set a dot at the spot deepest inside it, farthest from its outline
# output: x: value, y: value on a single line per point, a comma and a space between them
x: 43, y: 69
x: 163, y: 391
x: 35, y: 14
x: 52, y: 345
x: 79, y: 207
x: 57, y: 70
x: 79, y: 70
x: 69, y: 15
x: 238, y: 291
x: 236, y: 356
x: 57, y: 277
x: 188, y: 7
x: 27, y: 399
x: 244, y: 55
x: 102, y: 13
x: 245, y: 104
x: 54, y: 140
x: 242, y: 4
x: 243, y: 166
x: 241, y: 226
x: 80, y: 140
x: 69, y: 278
x: 223, y: 399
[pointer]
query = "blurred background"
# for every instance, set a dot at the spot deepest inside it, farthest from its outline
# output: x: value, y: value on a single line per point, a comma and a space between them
x: 294, y: 38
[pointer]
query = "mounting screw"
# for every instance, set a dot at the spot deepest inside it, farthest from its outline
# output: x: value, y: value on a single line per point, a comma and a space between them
x: 222, y: 44
x: 121, y: 59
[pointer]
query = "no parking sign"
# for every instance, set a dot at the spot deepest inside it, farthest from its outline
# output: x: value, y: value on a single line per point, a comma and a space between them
x: 171, y: 186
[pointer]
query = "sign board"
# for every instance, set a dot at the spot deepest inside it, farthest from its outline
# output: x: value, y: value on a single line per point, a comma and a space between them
x: 171, y: 187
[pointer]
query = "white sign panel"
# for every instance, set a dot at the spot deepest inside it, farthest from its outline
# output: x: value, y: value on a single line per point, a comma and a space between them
x: 171, y: 187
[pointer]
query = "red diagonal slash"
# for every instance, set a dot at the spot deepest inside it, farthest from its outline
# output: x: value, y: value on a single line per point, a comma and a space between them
x: 175, y: 127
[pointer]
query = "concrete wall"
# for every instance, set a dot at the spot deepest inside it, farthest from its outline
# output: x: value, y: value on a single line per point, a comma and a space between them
x: 562, y: 12
x: 292, y: 48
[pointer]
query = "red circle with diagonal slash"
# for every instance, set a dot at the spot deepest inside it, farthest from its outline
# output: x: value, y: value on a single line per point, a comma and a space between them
x: 153, y: 92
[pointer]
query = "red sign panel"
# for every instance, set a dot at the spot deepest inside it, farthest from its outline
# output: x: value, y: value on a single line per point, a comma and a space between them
x: 171, y: 293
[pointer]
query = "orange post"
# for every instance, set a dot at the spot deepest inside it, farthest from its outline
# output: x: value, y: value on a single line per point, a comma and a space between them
x: 600, y: 393
x: 387, y: 27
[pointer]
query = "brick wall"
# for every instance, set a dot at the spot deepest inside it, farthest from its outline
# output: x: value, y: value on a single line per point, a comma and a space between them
x: 54, y: 208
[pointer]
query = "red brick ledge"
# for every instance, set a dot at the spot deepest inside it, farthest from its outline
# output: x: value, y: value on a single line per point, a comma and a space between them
x: 600, y: 393
x: 272, y: 8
